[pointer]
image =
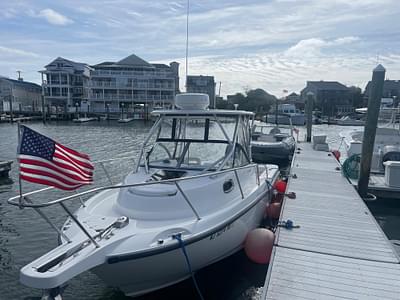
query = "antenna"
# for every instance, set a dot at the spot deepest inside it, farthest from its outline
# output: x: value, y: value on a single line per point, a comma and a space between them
x: 187, y: 42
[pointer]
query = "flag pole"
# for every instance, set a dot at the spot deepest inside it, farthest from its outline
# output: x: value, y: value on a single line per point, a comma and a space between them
x: 21, y: 198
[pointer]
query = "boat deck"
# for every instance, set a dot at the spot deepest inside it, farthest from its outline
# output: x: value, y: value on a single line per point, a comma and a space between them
x: 339, y: 251
x: 378, y: 187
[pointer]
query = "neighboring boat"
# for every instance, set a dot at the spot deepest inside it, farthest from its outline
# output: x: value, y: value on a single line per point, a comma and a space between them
x: 271, y: 145
x: 5, y: 167
x: 281, y: 116
x: 84, y: 120
x: 194, y: 188
x: 386, y: 147
x: 349, y: 121
x: 125, y: 120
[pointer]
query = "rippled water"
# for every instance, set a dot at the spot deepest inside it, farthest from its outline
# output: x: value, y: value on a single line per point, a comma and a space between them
x: 24, y: 236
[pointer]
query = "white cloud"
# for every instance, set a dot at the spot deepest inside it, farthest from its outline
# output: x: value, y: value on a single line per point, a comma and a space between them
x: 16, y: 52
x: 54, y: 17
x: 313, y: 46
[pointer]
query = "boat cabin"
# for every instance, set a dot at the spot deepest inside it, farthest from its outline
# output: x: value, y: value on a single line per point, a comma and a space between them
x: 208, y: 140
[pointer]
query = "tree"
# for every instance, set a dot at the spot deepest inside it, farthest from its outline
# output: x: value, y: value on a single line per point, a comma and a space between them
x: 356, y: 96
x: 223, y: 104
x: 258, y: 101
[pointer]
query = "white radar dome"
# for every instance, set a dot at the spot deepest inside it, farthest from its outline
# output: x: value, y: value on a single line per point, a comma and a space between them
x: 192, y: 101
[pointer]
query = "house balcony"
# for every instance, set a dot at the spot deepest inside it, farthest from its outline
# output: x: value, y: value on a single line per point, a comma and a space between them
x: 132, y: 86
x: 132, y: 74
x: 135, y: 98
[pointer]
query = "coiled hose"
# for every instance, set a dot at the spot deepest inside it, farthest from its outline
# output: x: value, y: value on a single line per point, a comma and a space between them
x: 351, y: 166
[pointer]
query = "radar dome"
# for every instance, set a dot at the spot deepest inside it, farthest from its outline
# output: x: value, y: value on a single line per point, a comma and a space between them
x: 192, y: 101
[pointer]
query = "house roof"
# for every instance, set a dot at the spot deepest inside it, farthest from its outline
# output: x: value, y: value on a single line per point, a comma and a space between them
x: 160, y: 66
x: 21, y: 82
x: 133, y: 60
x: 74, y: 64
x: 326, y: 85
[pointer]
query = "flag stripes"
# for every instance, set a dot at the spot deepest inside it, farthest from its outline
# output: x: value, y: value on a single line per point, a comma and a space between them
x: 47, y: 162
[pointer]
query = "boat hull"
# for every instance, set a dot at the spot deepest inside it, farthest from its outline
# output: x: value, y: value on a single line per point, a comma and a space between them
x: 140, y: 275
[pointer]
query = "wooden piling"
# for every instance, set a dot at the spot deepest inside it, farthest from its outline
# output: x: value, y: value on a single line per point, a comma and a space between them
x: 309, y: 109
x: 374, y: 102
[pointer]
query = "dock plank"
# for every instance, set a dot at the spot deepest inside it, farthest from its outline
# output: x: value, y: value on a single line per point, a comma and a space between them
x: 339, y: 251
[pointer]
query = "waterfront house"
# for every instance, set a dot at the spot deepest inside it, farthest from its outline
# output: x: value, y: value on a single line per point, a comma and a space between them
x: 331, y: 97
x: 131, y: 82
x: 19, y: 96
x: 65, y: 85
x: 391, y: 89
x: 202, y: 84
x: 109, y: 87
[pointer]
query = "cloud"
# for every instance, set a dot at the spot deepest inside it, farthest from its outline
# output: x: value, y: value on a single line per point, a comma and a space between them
x: 314, y: 46
x: 54, y: 17
x: 16, y: 52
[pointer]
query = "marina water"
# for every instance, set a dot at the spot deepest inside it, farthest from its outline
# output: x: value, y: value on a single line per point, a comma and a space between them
x: 24, y: 236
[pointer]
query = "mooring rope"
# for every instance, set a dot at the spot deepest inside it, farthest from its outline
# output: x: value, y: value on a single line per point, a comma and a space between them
x: 178, y: 237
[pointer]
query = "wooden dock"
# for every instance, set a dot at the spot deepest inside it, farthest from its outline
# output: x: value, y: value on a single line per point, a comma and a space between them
x: 339, y: 251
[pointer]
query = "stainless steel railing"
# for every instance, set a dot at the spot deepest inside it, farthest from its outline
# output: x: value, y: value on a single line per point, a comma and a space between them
x: 24, y: 200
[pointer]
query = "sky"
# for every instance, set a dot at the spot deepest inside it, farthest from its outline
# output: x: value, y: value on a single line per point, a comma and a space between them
x: 275, y: 45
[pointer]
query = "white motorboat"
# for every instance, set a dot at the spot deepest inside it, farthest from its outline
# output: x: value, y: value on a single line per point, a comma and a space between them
x: 349, y: 121
x: 83, y: 120
x: 386, y: 147
x: 281, y: 116
x: 125, y: 120
x: 194, y: 188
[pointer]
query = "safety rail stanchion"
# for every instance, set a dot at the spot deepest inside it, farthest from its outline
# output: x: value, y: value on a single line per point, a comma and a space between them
x: 48, y: 221
x: 238, y: 181
x: 80, y: 199
x: 187, y: 200
x: 257, y: 175
x: 79, y: 224
x: 105, y: 171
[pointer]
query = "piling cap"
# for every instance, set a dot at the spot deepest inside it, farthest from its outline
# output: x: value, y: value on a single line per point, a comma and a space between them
x: 379, y: 68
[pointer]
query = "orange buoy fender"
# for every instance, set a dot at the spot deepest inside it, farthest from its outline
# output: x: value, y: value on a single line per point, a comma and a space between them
x: 280, y: 186
x: 258, y: 245
x: 336, y: 154
x: 274, y: 210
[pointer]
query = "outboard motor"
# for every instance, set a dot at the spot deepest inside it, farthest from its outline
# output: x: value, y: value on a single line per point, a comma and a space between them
x: 53, y: 294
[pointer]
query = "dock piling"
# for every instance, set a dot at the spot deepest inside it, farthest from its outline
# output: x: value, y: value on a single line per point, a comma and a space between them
x: 309, y: 109
x: 374, y: 102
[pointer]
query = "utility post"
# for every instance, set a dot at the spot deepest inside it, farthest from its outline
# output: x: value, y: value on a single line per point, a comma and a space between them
x: 374, y: 102
x: 309, y: 109
x: 11, y: 107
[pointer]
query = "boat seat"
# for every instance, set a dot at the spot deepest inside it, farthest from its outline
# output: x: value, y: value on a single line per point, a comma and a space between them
x: 275, y: 130
x: 266, y: 138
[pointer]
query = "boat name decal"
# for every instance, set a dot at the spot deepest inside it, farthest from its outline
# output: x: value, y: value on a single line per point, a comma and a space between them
x: 220, y: 232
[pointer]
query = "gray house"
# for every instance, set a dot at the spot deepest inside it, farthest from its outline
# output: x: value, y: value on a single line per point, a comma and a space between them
x: 331, y: 97
x: 391, y: 89
x: 19, y: 96
x: 202, y: 84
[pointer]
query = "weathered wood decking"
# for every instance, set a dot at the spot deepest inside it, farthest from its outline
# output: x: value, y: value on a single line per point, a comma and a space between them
x: 339, y: 251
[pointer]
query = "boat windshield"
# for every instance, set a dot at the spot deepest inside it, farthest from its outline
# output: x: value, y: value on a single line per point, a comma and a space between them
x: 202, y: 143
x: 269, y: 129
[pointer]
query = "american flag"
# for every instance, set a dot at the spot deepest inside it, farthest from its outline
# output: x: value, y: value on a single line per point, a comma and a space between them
x: 47, y: 162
